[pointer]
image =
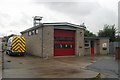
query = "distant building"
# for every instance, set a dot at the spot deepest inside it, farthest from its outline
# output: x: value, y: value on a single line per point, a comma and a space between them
x: 4, y: 41
x: 96, y: 45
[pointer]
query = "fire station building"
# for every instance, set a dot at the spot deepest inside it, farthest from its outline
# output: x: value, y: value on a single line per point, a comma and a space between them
x: 55, y: 39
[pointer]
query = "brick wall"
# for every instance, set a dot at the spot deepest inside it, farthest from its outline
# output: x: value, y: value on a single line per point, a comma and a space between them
x: 33, y: 43
x: 48, y: 41
x: 79, y: 42
x: 45, y: 47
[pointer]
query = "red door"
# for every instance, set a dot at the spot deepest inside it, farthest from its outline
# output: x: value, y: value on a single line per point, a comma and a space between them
x: 64, y: 42
x: 92, y: 48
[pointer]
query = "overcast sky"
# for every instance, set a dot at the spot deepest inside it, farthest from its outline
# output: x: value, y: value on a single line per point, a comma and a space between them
x: 16, y: 15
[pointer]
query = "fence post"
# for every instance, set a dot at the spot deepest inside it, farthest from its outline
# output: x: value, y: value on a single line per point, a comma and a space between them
x: 117, y: 54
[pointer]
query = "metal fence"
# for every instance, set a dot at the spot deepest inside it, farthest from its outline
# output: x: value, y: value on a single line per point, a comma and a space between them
x: 112, y: 47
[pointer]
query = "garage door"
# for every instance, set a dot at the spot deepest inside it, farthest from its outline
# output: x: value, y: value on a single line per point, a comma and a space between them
x: 64, y: 42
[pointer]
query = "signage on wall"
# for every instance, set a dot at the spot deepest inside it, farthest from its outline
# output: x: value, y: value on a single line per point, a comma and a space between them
x: 104, y: 45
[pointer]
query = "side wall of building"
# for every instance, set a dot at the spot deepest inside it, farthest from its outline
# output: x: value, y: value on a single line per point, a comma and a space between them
x: 48, y: 41
x: 97, y: 47
x: 79, y: 42
x: 87, y: 51
x: 34, y: 43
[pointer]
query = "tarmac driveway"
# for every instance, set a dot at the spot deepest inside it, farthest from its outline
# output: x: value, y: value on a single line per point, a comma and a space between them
x: 36, y: 67
x: 108, y: 66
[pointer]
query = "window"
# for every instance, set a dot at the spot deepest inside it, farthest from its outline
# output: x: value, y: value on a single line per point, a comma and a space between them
x: 36, y: 31
x: 33, y: 32
x: 29, y: 33
x: 63, y: 46
x: 86, y: 41
x: 67, y: 46
x: 87, y: 44
x: 56, y: 46
x: 63, y: 39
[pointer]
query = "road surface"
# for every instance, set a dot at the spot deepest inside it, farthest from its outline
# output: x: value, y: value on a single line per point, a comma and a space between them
x: 107, y: 66
x: 36, y: 67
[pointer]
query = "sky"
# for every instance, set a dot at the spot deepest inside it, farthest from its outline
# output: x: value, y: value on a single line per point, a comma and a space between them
x: 17, y: 15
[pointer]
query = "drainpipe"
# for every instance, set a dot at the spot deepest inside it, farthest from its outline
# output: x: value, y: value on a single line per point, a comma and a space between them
x: 42, y: 40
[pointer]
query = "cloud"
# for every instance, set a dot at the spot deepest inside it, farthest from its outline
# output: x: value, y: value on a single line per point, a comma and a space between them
x: 99, y: 18
x: 22, y: 20
x: 73, y: 8
x: 4, y: 18
x: 17, y: 16
x: 91, y: 13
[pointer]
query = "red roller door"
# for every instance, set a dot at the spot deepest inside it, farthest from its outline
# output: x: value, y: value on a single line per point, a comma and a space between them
x: 64, y: 42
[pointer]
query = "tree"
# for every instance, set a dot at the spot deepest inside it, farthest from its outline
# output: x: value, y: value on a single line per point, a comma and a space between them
x: 89, y: 34
x: 108, y: 31
x: 117, y: 39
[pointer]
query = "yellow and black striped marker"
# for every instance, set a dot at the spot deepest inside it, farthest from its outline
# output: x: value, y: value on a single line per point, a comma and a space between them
x: 18, y: 44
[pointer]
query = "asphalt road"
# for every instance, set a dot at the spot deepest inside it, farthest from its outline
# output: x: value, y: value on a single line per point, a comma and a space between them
x: 36, y: 67
x: 61, y: 67
x: 107, y: 66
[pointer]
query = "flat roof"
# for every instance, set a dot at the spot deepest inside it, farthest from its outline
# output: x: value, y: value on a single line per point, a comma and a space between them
x: 93, y: 38
x: 55, y: 24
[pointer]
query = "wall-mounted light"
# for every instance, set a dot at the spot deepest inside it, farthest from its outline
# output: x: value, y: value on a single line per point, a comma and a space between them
x: 80, y: 32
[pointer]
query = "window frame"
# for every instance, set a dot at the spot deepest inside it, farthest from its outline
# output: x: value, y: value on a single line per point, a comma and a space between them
x: 57, y: 38
x: 36, y: 31
x: 87, y: 42
x: 29, y: 33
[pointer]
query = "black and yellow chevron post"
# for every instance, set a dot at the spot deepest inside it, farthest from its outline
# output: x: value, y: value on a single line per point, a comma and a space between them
x: 18, y: 44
